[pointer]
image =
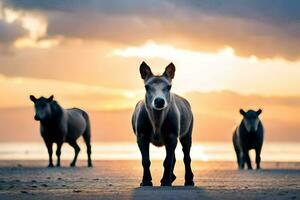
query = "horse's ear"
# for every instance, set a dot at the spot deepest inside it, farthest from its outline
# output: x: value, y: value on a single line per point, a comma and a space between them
x: 259, y: 112
x: 32, y: 98
x: 145, y: 71
x: 242, y: 112
x: 170, y: 71
x: 50, y: 98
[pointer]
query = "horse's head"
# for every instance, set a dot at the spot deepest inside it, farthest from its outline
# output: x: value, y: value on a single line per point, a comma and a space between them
x: 42, y: 107
x: 157, y: 87
x: 250, y: 119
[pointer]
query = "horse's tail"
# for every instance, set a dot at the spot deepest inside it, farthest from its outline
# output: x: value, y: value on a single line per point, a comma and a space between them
x: 87, y: 136
x: 87, y: 132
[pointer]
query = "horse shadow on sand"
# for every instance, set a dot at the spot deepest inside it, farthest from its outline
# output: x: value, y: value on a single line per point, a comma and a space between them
x: 174, y: 192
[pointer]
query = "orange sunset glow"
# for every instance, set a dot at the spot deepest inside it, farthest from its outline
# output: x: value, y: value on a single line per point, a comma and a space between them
x: 222, y: 64
x: 164, y: 99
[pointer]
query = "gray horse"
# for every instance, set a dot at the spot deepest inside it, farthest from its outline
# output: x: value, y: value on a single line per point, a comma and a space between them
x: 58, y: 125
x: 160, y: 119
x: 248, y: 135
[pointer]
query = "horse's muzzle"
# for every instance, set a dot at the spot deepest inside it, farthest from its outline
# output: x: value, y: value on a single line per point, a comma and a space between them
x: 36, y: 118
x: 156, y: 136
x: 159, y: 103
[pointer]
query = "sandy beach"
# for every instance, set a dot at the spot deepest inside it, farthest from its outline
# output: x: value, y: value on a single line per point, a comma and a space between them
x: 120, y: 180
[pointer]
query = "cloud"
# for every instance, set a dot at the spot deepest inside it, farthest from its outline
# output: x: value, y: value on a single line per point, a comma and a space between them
x: 8, y: 32
x: 21, y: 29
x: 18, y: 89
x: 222, y: 70
x: 208, y: 25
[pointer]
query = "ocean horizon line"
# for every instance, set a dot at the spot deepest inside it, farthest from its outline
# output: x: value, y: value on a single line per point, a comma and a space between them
x: 201, y: 151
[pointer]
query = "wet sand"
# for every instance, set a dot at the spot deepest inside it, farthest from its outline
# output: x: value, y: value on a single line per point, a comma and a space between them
x: 120, y: 180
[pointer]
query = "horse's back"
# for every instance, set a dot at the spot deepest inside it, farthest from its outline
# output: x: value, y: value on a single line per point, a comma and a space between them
x: 140, y: 120
x: 260, y: 133
x: 248, y: 140
x: 77, y: 123
x: 186, y: 115
x: 235, y: 139
x: 135, y: 116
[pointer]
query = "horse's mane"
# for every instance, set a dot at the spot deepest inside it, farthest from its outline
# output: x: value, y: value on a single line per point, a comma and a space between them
x: 56, y: 109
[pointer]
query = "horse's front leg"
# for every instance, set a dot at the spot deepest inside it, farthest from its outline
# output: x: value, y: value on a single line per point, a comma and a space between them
x: 247, y: 159
x: 242, y: 160
x: 144, y: 143
x: 170, y: 144
x: 58, y: 153
x: 50, y: 151
x: 257, y: 158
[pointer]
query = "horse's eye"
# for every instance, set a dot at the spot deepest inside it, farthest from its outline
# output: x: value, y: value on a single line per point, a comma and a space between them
x: 147, y: 87
x: 169, y: 87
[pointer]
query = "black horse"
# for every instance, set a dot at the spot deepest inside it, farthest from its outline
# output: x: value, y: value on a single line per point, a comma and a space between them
x: 248, y: 135
x: 161, y: 118
x: 58, y: 125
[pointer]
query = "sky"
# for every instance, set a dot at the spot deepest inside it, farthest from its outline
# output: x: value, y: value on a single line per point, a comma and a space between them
x: 87, y: 53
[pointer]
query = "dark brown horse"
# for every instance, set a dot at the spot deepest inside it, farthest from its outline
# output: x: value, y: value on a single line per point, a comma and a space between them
x: 248, y: 135
x: 58, y: 125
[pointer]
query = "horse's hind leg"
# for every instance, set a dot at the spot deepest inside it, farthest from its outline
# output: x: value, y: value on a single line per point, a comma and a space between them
x: 186, y: 143
x: 238, y: 157
x: 173, y: 178
x: 87, y: 139
x: 58, y: 153
x: 77, y: 149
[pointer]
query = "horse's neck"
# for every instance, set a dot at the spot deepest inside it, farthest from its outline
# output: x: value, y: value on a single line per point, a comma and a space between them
x: 242, y: 128
x: 56, y: 110
x: 49, y: 123
x: 244, y: 131
x: 56, y: 115
x: 157, y: 117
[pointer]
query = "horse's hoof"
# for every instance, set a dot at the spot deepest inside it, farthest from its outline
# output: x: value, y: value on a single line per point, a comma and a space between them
x: 165, y: 183
x: 90, y: 165
x: 72, y: 165
x: 146, y: 183
x: 58, y: 165
x: 173, y: 178
x: 50, y: 165
x: 168, y: 184
x: 189, y: 183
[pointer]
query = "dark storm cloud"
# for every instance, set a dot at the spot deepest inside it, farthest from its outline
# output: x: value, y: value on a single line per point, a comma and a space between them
x: 9, y: 32
x: 273, y: 11
x: 113, y: 6
x: 265, y: 28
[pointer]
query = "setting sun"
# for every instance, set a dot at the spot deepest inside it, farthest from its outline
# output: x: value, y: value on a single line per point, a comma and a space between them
x: 222, y: 70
